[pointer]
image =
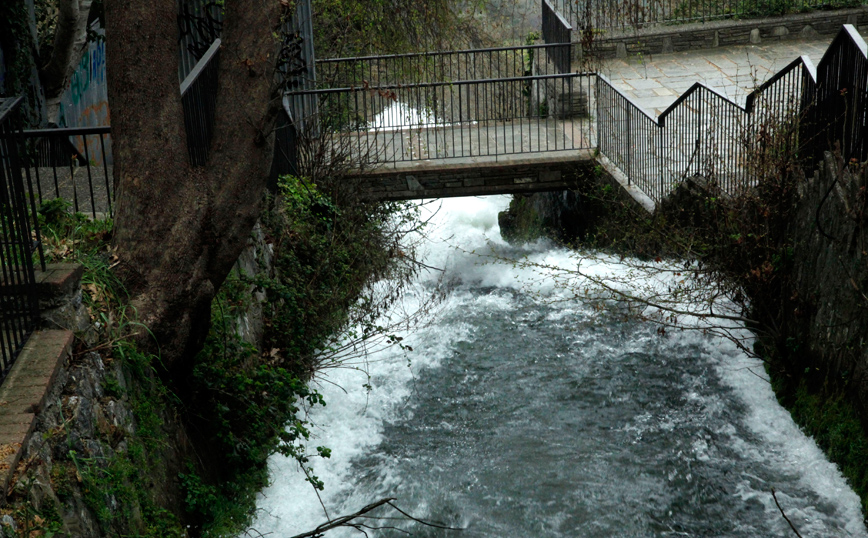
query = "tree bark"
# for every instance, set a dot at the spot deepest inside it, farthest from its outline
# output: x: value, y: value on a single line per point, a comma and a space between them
x: 179, y: 228
x: 70, y: 39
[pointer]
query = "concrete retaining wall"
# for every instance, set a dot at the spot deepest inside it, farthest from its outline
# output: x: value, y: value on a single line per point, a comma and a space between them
x: 663, y: 39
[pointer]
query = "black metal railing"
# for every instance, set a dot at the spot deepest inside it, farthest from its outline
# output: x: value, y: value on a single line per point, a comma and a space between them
x: 837, y: 112
x: 199, y: 100
x: 702, y: 133
x: 426, y: 67
x: 620, y: 14
x: 556, y: 29
x: 70, y: 163
x: 452, y: 104
x: 445, y: 120
x: 200, y: 22
x: 19, y: 241
x: 629, y: 137
x: 803, y: 110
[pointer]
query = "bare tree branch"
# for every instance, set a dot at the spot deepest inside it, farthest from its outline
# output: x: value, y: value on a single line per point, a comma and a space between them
x: 349, y: 521
x: 343, y: 521
x: 775, y: 497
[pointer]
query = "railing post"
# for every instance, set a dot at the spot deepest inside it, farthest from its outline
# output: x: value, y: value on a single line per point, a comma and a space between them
x: 698, y: 129
x: 661, y: 151
x: 598, y: 115
x: 629, y: 146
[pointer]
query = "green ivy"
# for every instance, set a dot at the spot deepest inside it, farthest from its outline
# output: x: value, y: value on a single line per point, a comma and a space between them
x: 248, y: 403
x: 21, y: 61
x: 248, y: 407
x: 352, y: 27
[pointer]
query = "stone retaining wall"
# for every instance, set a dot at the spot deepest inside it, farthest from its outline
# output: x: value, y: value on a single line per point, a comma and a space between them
x: 830, y: 260
x: 664, y: 39
x: 61, y: 403
x: 562, y: 98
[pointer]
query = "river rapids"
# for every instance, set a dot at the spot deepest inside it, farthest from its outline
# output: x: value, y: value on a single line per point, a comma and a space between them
x: 521, y: 412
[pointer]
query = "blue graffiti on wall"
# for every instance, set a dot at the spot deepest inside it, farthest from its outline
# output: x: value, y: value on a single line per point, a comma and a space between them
x: 85, y: 101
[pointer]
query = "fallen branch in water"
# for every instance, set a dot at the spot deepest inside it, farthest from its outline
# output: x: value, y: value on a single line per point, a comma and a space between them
x: 343, y: 520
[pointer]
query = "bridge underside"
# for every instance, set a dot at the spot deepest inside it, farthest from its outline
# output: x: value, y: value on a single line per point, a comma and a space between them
x: 477, y: 176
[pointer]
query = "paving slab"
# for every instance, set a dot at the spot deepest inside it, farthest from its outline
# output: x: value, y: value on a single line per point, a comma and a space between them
x: 732, y: 71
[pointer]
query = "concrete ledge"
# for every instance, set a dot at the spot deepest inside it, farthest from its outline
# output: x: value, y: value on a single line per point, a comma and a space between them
x: 699, y: 35
x: 620, y: 179
x: 58, y: 289
x: 23, y: 392
x: 58, y: 280
x: 509, y: 174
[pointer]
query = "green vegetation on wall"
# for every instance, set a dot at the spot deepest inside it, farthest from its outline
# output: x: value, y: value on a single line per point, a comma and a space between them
x: 240, y: 404
x: 828, y: 415
x: 353, y: 28
x: 18, y: 43
x: 249, y: 403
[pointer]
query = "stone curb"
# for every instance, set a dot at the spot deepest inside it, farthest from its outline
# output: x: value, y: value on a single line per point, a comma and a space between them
x: 23, y: 392
x: 620, y: 180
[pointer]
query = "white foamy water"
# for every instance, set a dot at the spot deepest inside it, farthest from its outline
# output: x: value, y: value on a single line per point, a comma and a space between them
x: 518, y: 416
x: 398, y: 115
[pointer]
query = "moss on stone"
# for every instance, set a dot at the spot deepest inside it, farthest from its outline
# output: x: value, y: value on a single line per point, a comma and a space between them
x: 828, y: 415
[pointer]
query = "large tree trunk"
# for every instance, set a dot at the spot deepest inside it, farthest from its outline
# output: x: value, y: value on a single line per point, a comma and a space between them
x: 178, y: 228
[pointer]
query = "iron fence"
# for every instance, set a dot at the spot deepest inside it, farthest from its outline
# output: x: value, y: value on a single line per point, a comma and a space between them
x: 427, y: 67
x: 200, y: 22
x: 446, y: 120
x: 837, y: 111
x: 450, y: 104
x: 19, y: 241
x: 704, y: 133
x: 555, y: 29
x: 199, y: 101
x: 74, y: 164
x: 620, y: 14
x: 630, y: 138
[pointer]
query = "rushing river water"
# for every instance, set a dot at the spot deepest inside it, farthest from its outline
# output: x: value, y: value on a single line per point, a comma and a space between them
x: 519, y: 416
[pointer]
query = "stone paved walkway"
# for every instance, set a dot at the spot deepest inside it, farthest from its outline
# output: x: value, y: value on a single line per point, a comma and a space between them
x: 655, y: 82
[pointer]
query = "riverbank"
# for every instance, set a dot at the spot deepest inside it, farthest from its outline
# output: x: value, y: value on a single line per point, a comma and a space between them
x: 522, y: 410
x: 790, y: 255
x: 119, y: 449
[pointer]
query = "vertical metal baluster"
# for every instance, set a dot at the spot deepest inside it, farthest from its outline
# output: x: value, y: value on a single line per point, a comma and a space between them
x: 23, y: 151
x: 108, y: 192
x: 89, y: 177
